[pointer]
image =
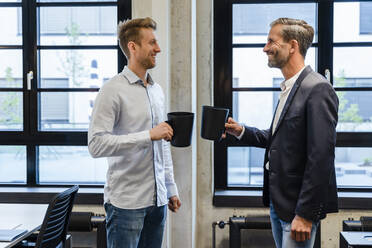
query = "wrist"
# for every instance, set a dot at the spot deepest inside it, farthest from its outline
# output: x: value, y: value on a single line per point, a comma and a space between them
x: 297, y: 217
x: 240, y: 134
x: 151, y: 134
x: 240, y: 130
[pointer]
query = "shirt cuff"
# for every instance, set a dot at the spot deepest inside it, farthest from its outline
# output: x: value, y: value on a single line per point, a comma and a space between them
x: 172, y: 190
x: 241, y: 134
x: 143, y: 137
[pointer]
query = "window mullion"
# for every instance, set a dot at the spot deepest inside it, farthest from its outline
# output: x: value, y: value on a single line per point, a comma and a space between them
x: 325, y: 37
x: 29, y: 97
x: 32, y: 175
x: 222, y: 81
x: 124, y: 12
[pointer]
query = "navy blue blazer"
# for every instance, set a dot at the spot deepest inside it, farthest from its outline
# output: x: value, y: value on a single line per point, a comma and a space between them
x: 301, y: 152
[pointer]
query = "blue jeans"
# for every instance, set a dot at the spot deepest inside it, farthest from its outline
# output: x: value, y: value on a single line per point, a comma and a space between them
x: 282, y: 233
x: 135, y: 228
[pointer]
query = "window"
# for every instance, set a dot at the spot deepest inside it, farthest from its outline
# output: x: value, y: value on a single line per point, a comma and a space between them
x: 90, y: 20
x: 44, y: 121
x: 244, y: 83
x: 15, y: 170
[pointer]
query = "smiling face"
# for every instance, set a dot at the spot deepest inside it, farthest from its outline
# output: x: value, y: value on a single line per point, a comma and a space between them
x: 278, y: 51
x: 147, y: 50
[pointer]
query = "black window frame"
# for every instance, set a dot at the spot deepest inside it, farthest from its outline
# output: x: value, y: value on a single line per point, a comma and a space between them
x: 250, y: 196
x: 30, y: 136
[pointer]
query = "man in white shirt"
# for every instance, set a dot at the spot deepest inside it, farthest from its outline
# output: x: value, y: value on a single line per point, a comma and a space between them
x: 299, y: 173
x: 127, y: 127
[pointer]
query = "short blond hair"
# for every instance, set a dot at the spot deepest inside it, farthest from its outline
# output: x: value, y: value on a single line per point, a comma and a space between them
x: 129, y: 30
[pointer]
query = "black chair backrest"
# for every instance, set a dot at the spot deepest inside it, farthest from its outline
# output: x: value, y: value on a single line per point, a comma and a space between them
x: 54, y: 228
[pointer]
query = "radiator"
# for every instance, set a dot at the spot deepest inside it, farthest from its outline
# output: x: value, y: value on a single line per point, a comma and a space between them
x: 86, y: 222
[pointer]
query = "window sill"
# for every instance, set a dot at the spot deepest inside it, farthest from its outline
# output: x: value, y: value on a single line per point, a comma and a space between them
x: 252, y: 198
x: 43, y: 195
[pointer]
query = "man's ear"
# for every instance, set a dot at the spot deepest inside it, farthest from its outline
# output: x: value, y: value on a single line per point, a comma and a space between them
x: 131, y: 46
x: 294, y: 46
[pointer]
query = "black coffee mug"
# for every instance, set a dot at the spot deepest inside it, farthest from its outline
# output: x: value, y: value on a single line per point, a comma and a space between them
x: 213, y: 122
x: 181, y: 123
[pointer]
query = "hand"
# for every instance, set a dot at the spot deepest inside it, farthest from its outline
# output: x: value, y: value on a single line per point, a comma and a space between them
x: 233, y: 128
x: 174, y: 203
x: 161, y: 131
x: 300, y: 229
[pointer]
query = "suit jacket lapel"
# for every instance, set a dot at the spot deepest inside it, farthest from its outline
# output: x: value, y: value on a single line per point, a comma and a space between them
x: 294, y: 89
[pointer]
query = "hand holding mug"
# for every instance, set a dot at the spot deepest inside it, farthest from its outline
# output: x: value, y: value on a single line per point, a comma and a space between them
x: 161, y: 131
x: 232, y: 127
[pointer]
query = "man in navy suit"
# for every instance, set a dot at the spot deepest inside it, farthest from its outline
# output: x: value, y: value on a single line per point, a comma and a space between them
x: 299, y: 173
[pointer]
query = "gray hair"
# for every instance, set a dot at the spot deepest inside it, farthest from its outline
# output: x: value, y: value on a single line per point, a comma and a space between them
x: 295, y: 29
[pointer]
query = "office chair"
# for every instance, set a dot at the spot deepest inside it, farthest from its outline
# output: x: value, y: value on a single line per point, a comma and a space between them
x: 53, y: 231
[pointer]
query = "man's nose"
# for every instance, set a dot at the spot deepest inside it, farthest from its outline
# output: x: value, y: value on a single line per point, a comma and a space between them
x: 157, y: 49
x: 266, y: 48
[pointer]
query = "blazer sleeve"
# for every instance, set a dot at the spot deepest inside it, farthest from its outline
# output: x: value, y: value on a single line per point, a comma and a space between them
x: 255, y: 137
x: 322, y: 117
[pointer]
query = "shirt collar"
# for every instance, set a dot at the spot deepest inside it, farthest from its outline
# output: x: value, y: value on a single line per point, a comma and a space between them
x: 288, y: 84
x: 133, y: 78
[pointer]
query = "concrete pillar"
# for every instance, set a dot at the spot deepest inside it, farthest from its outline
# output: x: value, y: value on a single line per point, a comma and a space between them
x: 182, y: 98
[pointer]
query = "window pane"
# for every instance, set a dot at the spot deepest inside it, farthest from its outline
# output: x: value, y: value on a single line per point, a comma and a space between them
x: 69, y: 165
x: 77, y: 68
x: 78, y: 25
x: 251, y: 22
x: 11, y: 26
x: 250, y: 68
x: 11, y: 68
x: 66, y: 111
x: 245, y: 166
x: 245, y: 108
x: 11, y: 111
x: 353, y: 166
x: 352, y: 22
x: 13, y: 164
x: 352, y: 67
x: 354, y: 112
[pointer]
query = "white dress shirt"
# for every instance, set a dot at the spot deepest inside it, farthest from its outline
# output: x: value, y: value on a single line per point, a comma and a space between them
x: 140, y: 171
x: 286, y: 87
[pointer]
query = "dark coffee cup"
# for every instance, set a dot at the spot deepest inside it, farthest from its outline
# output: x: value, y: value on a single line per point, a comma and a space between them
x: 181, y: 123
x: 213, y: 122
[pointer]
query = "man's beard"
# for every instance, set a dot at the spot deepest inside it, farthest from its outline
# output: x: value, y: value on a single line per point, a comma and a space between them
x: 147, y: 64
x: 277, y: 61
